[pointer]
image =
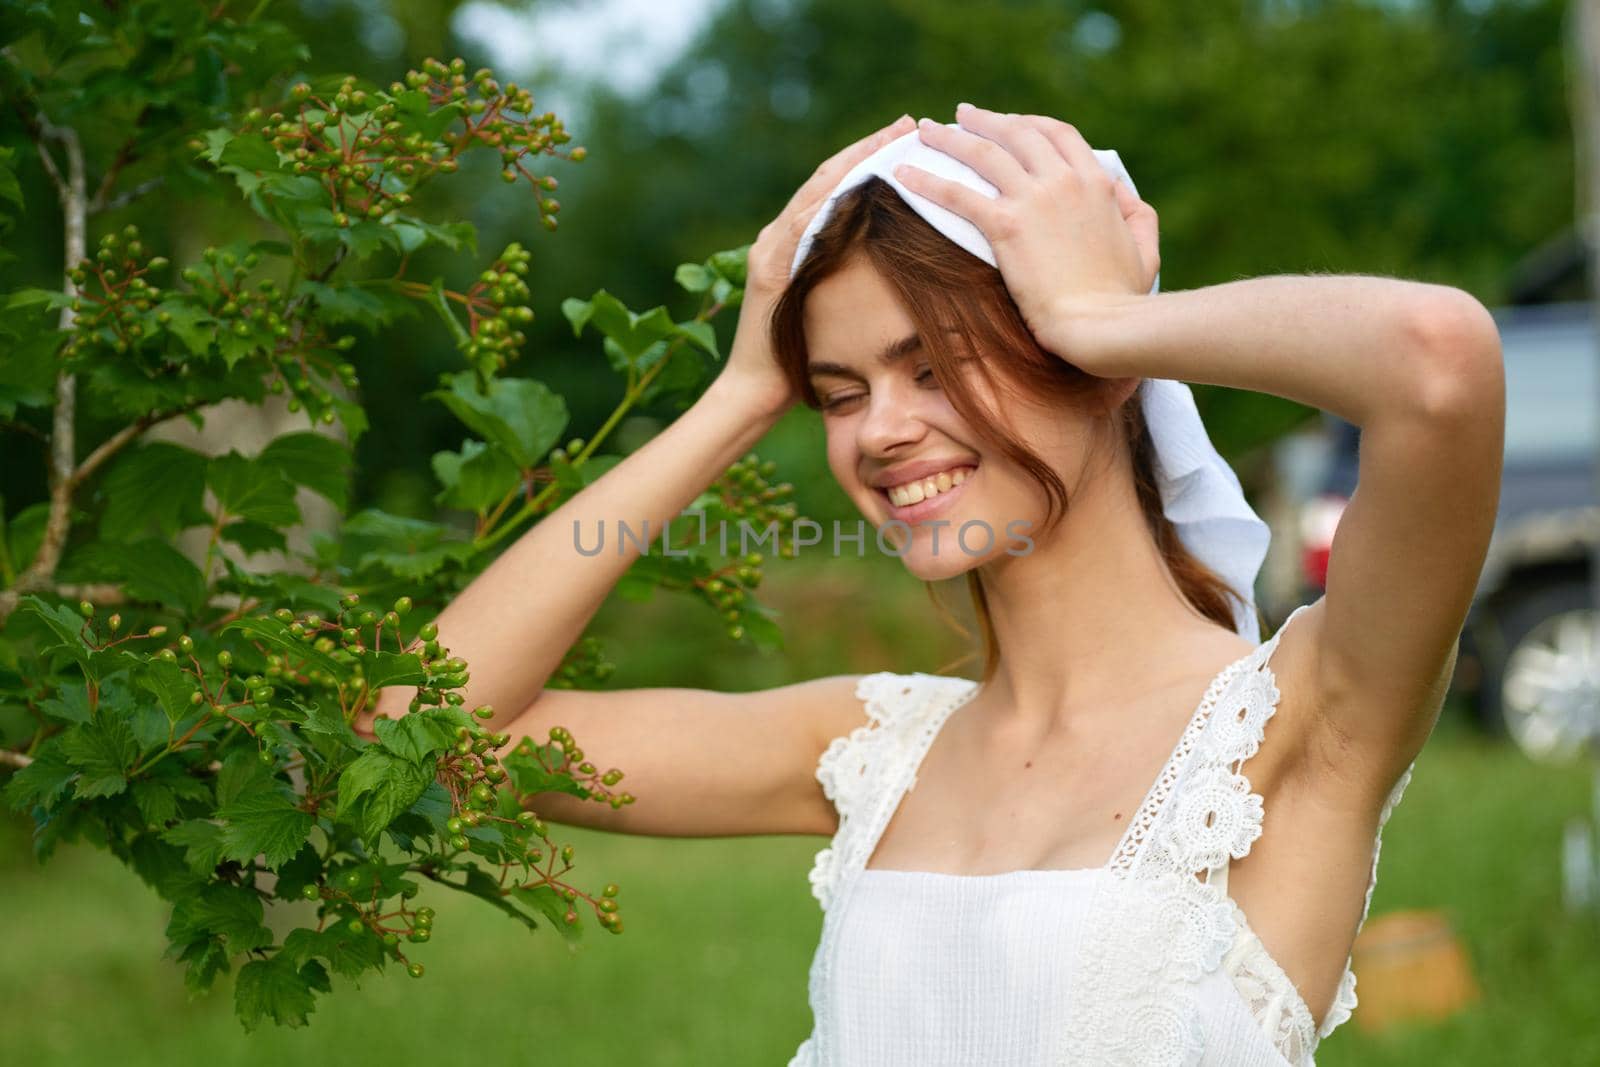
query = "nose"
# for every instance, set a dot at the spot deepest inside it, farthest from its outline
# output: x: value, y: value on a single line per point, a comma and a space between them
x: 892, y: 421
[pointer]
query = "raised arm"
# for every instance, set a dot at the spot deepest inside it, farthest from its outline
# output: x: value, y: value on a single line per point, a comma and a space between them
x: 517, y: 619
x: 1418, y: 367
x: 698, y: 762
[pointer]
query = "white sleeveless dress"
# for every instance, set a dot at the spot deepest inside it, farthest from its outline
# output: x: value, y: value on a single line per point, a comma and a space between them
x: 1137, y: 962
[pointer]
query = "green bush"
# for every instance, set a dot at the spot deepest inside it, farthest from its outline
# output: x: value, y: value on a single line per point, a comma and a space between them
x: 197, y: 720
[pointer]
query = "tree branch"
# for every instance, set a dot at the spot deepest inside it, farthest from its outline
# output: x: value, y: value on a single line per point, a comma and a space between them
x: 124, y: 199
x: 117, y: 441
x: 63, y: 458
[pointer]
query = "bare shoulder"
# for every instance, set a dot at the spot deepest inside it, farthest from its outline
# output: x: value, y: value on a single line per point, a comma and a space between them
x: 847, y: 704
x: 838, y: 709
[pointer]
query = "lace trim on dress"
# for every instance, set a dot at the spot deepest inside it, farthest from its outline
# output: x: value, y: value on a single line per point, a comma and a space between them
x: 865, y: 772
x: 1270, y: 994
x: 1154, y: 927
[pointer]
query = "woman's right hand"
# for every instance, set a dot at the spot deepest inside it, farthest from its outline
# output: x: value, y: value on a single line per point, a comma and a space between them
x: 752, y: 368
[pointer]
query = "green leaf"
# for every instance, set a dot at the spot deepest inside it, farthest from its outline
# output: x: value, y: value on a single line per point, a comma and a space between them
x: 189, y: 323
x: 66, y: 626
x: 49, y: 299
x: 349, y: 954
x: 731, y: 264
x: 162, y: 868
x: 485, y: 888
x: 275, y: 988
x: 411, y: 548
x: 158, y: 796
x: 201, y: 842
x: 241, y: 774
x: 70, y: 703
x: 158, y: 485
x: 171, y: 686
x: 325, y: 717
x: 265, y: 823
x: 415, y: 736
x: 702, y: 336
x: 154, y: 800
x: 254, y: 537
x: 476, y: 478
x: 392, y: 668
x: 577, y: 312
x: 694, y: 277
x: 415, y: 233
x: 253, y: 490
x: 632, y: 335
x: 319, y: 463
x: 520, y: 415
x: 233, y: 912
x: 103, y: 752
x: 42, y: 782
x: 206, y: 959
x: 529, y: 775
x: 379, y: 786
x: 364, y: 237
x: 554, y: 907
x: 761, y: 626
x: 149, y: 569
x: 247, y: 156
x: 353, y: 304
x: 28, y: 372
x: 303, y: 868
x: 276, y: 637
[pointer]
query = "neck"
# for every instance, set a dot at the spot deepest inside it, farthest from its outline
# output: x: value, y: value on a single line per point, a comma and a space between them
x: 1092, y: 617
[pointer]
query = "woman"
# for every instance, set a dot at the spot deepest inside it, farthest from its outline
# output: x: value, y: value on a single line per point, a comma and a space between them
x: 977, y: 919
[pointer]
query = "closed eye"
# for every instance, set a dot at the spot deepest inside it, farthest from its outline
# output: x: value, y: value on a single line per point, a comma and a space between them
x: 925, y: 376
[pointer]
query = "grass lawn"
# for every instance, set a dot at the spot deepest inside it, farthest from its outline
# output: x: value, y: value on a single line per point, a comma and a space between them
x: 712, y: 967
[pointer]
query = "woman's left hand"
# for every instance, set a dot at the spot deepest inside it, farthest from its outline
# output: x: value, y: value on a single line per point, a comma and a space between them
x: 1068, y: 238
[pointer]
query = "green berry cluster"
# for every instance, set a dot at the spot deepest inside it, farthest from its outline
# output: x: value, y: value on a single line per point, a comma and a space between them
x: 483, y: 795
x: 266, y: 319
x: 358, y: 144
x: 747, y: 495
x: 562, y: 756
x: 113, y: 297
x: 117, y: 309
x: 584, y: 665
x: 497, y: 309
x: 354, y: 897
x: 568, y: 452
x: 482, y: 788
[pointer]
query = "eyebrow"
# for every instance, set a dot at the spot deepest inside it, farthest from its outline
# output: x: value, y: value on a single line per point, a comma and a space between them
x: 887, y: 356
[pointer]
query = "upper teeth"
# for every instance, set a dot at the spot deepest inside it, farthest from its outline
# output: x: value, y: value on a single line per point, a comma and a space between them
x: 933, y: 485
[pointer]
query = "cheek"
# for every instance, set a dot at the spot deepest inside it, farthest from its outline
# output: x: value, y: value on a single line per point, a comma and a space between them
x: 842, y: 460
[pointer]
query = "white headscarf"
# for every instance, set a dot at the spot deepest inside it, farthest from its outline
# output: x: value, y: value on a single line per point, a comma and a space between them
x: 1200, y: 493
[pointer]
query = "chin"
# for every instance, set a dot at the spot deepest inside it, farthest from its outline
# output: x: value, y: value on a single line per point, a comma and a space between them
x: 927, y: 567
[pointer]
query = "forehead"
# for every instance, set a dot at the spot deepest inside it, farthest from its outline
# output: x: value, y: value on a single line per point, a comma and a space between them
x: 852, y: 314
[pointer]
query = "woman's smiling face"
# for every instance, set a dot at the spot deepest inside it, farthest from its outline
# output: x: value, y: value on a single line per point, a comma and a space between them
x: 899, y: 448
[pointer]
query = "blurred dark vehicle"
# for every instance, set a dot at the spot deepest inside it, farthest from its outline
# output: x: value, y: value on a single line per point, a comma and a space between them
x: 1528, y: 658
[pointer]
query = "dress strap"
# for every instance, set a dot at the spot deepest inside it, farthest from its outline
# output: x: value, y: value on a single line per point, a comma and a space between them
x: 866, y: 772
x: 1154, y: 929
